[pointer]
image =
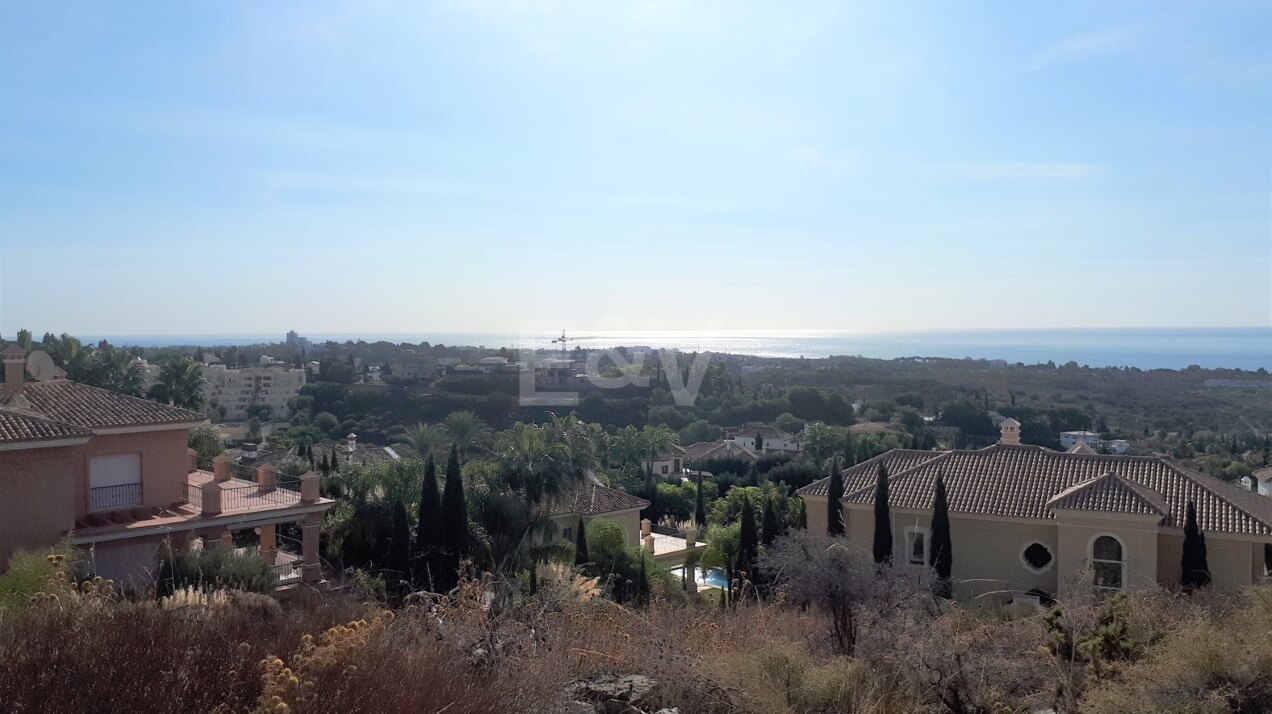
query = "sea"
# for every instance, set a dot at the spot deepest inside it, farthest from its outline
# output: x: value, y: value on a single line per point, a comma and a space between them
x: 1248, y: 348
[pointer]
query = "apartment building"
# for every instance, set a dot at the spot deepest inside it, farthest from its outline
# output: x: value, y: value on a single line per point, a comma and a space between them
x: 230, y: 392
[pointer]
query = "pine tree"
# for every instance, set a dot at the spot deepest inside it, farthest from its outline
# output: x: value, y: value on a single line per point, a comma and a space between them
x: 454, y: 522
x: 835, y: 503
x: 700, y: 508
x: 772, y: 526
x: 748, y: 538
x: 428, y: 530
x: 941, y: 557
x: 883, y: 520
x: 580, y: 546
x: 1195, y: 570
x: 803, y: 515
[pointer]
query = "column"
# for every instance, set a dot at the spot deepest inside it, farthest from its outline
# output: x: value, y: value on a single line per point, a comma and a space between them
x: 221, y: 468
x: 269, y: 543
x: 266, y: 477
x: 310, y: 570
x: 309, y: 491
x: 217, y: 537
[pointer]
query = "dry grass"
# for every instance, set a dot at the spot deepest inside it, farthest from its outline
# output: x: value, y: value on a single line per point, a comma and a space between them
x: 85, y: 651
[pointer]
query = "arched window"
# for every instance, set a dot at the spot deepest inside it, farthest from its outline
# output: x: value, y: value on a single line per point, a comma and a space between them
x: 916, y: 545
x: 1108, y: 562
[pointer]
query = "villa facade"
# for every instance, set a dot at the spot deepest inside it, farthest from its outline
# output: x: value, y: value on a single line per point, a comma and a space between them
x: 1030, y: 523
x: 593, y: 501
x: 113, y: 475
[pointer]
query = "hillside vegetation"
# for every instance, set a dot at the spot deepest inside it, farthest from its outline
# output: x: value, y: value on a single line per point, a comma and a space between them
x: 71, y: 647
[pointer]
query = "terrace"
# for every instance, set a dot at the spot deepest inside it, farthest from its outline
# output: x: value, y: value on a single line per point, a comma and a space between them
x: 223, y: 497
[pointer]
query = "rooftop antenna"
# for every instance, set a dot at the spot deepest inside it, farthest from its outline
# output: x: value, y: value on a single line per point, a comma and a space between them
x: 41, y: 366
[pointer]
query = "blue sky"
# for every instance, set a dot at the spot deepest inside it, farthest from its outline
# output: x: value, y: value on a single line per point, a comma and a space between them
x: 184, y: 168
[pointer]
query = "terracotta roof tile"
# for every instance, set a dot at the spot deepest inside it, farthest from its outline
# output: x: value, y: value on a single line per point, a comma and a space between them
x: 719, y: 450
x: 1110, y: 493
x: 92, y: 407
x: 22, y: 428
x: 594, y: 499
x: 364, y: 455
x: 866, y: 472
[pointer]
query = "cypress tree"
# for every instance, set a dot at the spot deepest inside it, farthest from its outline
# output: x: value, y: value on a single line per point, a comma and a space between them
x: 834, y: 503
x: 642, y: 585
x: 850, y: 451
x: 428, y: 530
x: 1195, y: 570
x: 454, y: 522
x: 883, y: 520
x: 400, y: 554
x: 700, y: 509
x: 772, y: 527
x: 803, y: 515
x: 580, y: 545
x: 748, y: 539
x: 941, y: 557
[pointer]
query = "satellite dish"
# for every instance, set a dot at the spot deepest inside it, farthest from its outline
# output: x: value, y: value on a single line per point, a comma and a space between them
x: 41, y: 366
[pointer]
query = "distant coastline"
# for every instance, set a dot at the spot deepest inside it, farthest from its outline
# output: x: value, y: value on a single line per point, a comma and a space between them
x: 1170, y: 348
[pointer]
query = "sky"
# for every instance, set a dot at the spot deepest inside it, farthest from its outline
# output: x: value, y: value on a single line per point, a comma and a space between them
x: 384, y: 167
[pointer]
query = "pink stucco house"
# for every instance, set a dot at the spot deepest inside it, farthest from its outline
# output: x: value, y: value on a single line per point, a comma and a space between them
x: 113, y: 475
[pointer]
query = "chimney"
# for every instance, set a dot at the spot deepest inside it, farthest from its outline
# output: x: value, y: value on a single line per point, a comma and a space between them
x: 352, y: 442
x: 1009, y: 431
x: 14, y: 368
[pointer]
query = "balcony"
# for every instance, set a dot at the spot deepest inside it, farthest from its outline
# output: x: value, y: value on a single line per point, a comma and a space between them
x: 114, y: 498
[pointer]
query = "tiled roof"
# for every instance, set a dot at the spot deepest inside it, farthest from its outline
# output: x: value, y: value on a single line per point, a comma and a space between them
x: 22, y: 428
x: 92, y: 407
x: 364, y: 455
x: 1110, y: 493
x: 719, y: 450
x: 768, y: 432
x: 1018, y: 481
x: 667, y: 451
x: 594, y: 499
x: 866, y: 472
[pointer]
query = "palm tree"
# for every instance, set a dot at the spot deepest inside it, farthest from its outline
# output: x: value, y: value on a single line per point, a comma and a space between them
x: 118, y: 371
x: 584, y: 443
x: 426, y: 439
x: 466, y: 431
x: 531, y: 462
x: 656, y: 438
x: 180, y: 383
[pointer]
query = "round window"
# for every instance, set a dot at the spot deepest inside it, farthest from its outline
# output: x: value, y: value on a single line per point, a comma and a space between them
x: 1037, y: 557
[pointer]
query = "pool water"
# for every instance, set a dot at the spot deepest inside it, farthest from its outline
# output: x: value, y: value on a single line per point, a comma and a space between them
x: 705, y: 577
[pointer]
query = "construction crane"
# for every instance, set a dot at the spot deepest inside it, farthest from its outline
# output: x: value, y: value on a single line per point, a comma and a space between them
x: 563, y: 340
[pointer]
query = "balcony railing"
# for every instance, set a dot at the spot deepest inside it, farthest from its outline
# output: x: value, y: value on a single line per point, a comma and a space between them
x: 111, y: 498
x: 288, y: 572
x: 194, y: 495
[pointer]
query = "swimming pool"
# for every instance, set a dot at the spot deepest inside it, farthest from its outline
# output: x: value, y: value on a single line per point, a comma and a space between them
x: 705, y: 577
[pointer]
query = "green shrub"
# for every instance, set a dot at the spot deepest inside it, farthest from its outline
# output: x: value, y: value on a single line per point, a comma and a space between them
x: 30, y: 572
x: 214, y: 569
